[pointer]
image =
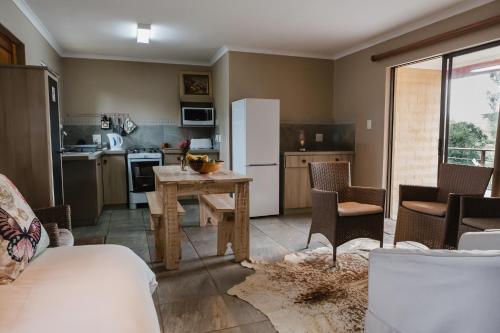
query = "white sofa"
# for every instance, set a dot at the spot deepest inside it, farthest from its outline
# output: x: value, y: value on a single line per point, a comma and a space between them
x: 436, y: 290
x: 81, y: 289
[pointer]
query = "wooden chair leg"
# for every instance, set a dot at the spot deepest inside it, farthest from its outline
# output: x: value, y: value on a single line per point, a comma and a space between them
x: 224, y: 234
x: 309, y: 239
x: 203, y: 214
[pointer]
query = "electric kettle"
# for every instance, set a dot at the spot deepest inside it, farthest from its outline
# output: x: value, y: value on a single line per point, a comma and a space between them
x: 115, y: 141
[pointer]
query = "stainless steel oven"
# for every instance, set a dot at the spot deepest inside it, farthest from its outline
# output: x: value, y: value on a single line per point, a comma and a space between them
x: 140, y: 174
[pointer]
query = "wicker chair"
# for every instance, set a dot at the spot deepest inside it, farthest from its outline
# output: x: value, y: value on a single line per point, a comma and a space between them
x: 430, y: 215
x: 57, y: 222
x: 479, y: 214
x: 342, y: 212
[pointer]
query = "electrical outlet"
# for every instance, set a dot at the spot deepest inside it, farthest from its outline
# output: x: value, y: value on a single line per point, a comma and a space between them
x: 368, y: 124
x: 218, y: 138
x: 96, y: 139
x: 319, y: 137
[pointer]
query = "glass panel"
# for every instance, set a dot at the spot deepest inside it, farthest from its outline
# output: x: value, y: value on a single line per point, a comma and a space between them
x: 416, y: 124
x: 143, y: 179
x: 473, y: 107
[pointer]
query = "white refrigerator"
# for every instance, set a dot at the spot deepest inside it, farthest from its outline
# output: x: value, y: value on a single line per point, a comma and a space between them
x: 255, y: 151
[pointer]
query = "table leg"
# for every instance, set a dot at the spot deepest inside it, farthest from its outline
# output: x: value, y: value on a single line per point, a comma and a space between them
x: 171, y: 227
x: 241, y: 246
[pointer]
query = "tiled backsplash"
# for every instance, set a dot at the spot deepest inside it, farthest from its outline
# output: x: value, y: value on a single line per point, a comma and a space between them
x: 144, y: 136
x: 335, y: 136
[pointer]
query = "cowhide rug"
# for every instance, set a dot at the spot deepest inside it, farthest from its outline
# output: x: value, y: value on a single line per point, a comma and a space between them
x: 303, y: 293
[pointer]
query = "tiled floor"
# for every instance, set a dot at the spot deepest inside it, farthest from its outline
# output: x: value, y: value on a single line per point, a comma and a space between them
x: 193, y: 298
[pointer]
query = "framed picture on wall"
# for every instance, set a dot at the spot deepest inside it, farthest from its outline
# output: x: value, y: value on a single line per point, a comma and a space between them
x: 195, y: 86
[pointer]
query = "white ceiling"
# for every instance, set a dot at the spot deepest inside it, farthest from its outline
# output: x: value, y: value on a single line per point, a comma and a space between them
x: 198, y: 31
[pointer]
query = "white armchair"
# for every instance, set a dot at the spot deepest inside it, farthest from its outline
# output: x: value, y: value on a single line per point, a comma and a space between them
x: 436, y: 290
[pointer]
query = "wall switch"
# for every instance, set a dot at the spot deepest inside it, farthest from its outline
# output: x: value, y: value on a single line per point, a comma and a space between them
x: 319, y: 137
x: 368, y: 124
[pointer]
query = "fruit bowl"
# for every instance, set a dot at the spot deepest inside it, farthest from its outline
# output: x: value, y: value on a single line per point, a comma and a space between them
x: 205, y: 167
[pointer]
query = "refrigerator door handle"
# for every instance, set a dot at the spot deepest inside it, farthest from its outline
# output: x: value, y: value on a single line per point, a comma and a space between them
x: 262, y: 164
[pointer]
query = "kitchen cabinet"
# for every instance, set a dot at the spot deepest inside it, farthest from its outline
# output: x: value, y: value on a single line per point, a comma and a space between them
x: 83, y: 189
x: 29, y: 133
x: 296, y: 188
x: 114, y: 179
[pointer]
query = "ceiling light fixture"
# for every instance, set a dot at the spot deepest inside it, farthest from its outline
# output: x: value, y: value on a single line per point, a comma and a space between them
x: 485, y: 69
x: 143, y: 33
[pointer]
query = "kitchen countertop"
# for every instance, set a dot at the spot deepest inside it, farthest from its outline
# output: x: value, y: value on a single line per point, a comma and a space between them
x: 317, y: 152
x: 195, y: 151
x: 71, y: 156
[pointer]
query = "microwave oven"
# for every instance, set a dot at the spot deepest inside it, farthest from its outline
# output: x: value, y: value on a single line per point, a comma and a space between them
x: 197, y: 116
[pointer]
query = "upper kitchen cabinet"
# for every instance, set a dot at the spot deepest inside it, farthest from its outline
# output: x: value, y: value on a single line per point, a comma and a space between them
x: 30, y: 134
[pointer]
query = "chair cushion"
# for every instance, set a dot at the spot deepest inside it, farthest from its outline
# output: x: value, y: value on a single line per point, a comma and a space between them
x: 482, y: 223
x: 426, y: 207
x: 65, y: 238
x: 22, y: 236
x: 351, y: 208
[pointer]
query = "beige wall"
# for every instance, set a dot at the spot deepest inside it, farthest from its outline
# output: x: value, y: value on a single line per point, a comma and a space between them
x: 36, y: 47
x: 304, y: 87
x: 220, y: 77
x: 361, y: 86
x: 417, y: 98
x: 148, y: 92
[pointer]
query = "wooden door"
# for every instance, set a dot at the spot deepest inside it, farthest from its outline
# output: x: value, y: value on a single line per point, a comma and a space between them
x: 114, y: 179
x: 7, y: 50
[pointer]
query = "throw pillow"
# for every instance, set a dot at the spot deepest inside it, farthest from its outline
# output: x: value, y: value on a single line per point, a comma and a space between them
x: 22, y: 236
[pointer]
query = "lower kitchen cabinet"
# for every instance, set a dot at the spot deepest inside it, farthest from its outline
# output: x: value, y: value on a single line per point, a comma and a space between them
x: 296, y: 188
x: 114, y: 179
x: 83, y: 189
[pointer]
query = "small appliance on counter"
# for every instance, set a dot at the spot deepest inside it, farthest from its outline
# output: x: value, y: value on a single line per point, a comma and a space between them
x: 115, y: 141
x: 201, y: 144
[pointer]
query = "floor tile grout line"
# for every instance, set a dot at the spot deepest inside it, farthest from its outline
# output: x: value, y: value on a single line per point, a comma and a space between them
x: 271, y: 238
x: 286, y: 248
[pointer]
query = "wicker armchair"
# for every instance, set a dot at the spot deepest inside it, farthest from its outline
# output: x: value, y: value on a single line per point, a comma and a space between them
x: 57, y: 222
x: 342, y: 212
x: 430, y: 215
x: 479, y: 214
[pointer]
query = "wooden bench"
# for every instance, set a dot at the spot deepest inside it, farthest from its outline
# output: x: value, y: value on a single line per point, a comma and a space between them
x: 218, y: 209
x: 156, y: 214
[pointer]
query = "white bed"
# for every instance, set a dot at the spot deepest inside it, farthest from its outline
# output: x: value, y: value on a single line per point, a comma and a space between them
x: 81, y: 289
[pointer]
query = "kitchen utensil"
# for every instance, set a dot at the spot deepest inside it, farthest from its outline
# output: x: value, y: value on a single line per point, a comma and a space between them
x: 129, y: 126
x: 115, y: 141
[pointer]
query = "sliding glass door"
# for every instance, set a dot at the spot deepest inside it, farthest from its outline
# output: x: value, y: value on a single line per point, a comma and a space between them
x: 444, y: 109
x: 471, y: 106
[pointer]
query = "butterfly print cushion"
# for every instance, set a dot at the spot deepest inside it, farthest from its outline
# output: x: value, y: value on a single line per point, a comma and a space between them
x: 22, y: 236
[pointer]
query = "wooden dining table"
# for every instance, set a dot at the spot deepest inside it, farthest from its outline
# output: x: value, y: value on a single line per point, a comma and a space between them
x: 171, y: 182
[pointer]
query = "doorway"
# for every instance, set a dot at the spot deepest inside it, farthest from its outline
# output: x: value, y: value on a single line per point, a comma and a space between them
x: 443, y: 109
x: 415, y: 126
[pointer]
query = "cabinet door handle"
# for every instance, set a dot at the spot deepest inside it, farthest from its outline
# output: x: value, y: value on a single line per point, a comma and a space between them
x: 304, y: 161
x: 337, y: 159
x: 104, y: 162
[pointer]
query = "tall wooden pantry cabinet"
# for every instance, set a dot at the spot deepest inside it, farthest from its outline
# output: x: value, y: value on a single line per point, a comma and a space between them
x: 30, y: 133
